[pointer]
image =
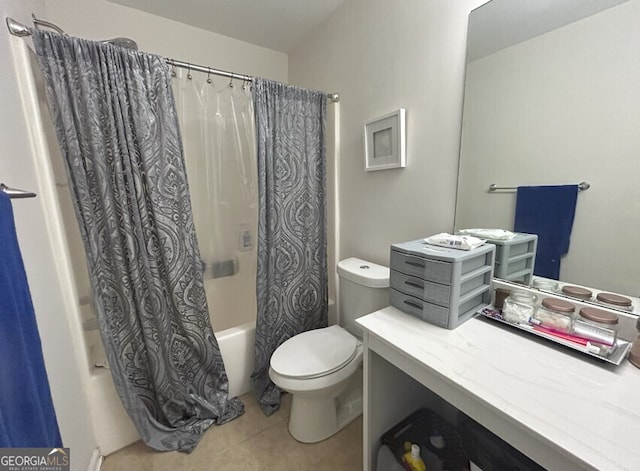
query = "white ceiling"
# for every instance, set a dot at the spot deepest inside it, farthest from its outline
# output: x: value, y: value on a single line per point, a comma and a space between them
x: 274, y: 24
x: 281, y: 24
x: 503, y: 23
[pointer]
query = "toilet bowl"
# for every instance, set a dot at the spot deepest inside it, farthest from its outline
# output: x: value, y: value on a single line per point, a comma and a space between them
x: 333, y: 356
x: 322, y: 368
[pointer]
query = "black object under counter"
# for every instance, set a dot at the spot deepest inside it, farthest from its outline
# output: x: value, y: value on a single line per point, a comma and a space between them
x: 439, y: 285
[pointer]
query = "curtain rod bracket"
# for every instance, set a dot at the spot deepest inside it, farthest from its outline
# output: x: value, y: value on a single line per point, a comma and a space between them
x: 17, y: 29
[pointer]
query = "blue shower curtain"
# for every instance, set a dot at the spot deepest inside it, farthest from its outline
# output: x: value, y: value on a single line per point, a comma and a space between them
x: 27, y: 416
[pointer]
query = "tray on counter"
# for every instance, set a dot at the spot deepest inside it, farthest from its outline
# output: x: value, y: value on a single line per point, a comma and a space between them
x: 618, y: 354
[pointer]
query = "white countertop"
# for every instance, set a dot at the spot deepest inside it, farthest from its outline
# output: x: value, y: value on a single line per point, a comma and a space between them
x: 587, y: 409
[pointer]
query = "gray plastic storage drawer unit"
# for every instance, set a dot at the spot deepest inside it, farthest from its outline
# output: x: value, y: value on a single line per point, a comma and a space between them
x: 439, y: 285
x: 515, y: 258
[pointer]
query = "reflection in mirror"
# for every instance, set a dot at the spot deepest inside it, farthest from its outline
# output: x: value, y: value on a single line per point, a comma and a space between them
x: 552, y: 97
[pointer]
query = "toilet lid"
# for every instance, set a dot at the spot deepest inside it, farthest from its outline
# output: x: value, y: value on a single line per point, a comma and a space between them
x: 314, y: 353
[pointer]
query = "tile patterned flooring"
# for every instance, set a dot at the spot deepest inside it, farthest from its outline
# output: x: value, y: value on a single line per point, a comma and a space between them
x: 251, y: 442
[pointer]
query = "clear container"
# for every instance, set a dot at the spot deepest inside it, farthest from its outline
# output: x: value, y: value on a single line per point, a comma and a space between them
x: 545, y: 284
x: 519, y: 307
x: 500, y: 295
x: 597, y: 326
x: 555, y: 314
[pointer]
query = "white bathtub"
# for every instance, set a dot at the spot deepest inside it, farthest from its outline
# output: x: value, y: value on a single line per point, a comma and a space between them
x: 112, y: 426
x: 237, y: 348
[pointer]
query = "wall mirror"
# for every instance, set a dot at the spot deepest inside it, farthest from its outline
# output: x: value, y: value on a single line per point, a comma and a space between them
x: 552, y: 96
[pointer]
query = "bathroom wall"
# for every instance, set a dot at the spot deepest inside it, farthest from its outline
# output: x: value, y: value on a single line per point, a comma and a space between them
x: 568, y: 112
x: 61, y: 343
x: 381, y: 56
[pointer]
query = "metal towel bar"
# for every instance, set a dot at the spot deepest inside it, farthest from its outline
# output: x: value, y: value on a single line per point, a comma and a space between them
x: 582, y: 186
x: 15, y: 193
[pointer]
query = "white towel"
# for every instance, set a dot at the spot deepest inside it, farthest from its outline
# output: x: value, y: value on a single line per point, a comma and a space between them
x: 496, y: 234
x: 461, y: 242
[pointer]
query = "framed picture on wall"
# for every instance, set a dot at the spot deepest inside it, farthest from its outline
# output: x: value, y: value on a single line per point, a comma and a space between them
x: 384, y: 142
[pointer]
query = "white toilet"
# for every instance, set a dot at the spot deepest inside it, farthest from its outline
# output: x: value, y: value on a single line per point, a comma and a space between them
x: 322, y: 368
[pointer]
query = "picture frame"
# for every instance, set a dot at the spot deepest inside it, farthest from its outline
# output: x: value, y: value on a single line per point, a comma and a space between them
x: 385, y: 142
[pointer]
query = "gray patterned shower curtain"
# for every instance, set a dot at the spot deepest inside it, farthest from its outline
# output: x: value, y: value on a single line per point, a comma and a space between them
x: 292, y: 236
x: 115, y: 119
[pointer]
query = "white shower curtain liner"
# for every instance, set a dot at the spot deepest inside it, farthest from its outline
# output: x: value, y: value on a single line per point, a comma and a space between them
x: 217, y: 126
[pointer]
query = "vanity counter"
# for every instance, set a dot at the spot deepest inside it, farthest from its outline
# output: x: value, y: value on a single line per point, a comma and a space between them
x: 562, y: 409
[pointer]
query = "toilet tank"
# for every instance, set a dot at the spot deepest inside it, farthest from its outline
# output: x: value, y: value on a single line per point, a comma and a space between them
x: 364, y: 288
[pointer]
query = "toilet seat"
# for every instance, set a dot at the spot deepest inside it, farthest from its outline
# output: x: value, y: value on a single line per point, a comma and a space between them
x: 314, y: 353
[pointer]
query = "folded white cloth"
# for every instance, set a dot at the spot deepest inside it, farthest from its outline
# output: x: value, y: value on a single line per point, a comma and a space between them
x: 462, y: 242
x: 496, y: 234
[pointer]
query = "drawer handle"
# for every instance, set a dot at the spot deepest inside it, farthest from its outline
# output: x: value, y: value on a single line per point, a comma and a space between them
x: 415, y: 264
x: 414, y: 284
x: 412, y: 304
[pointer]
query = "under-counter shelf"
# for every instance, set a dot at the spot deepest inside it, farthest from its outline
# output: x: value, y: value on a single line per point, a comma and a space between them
x: 618, y: 354
x: 520, y: 389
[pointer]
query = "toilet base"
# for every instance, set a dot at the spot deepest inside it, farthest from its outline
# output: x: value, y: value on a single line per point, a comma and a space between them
x: 315, y: 418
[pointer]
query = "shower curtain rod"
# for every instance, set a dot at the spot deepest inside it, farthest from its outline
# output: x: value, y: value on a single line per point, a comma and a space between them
x: 333, y: 97
x: 18, y: 29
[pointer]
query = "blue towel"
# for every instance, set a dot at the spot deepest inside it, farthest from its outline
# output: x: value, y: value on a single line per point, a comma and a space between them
x: 27, y: 417
x: 547, y: 211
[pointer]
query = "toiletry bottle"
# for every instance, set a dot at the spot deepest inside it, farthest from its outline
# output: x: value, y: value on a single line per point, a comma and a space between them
x: 434, y: 451
x: 412, y: 460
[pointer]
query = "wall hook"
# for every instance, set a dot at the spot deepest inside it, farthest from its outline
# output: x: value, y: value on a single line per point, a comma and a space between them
x: 209, y: 76
x: 189, y: 72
